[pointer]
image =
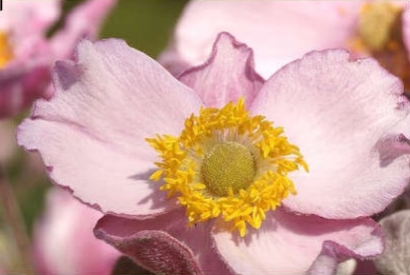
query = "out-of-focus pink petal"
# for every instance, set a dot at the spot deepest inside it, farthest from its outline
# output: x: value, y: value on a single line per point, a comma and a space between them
x: 26, y: 77
x: 278, y: 31
x: 341, y: 113
x: 19, y: 89
x: 64, y: 242
x: 25, y: 24
x: 91, y: 134
x: 83, y: 22
x: 288, y: 243
x: 22, y: 19
x: 194, y: 243
x: 227, y: 75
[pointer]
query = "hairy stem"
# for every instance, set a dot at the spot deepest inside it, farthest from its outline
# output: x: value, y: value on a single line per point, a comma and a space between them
x: 12, y: 217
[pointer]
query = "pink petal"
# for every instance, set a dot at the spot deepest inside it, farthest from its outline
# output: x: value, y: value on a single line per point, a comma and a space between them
x: 91, y: 134
x: 226, y: 76
x: 64, y: 242
x: 341, y: 114
x: 83, y: 22
x: 274, y: 29
x: 289, y: 244
x: 192, y: 245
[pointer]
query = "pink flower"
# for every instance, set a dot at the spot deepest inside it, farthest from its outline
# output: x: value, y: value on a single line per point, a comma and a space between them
x: 343, y: 120
x: 281, y: 31
x: 64, y: 243
x: 27, y: 55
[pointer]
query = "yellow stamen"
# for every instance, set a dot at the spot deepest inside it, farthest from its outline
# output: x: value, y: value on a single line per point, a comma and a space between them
x: 227, y: 164
x: 6, y: 53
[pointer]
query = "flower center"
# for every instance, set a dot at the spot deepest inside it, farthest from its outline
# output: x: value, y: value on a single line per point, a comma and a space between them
x: 379, y: 34
x: 6, y: 53
x: 229, y: 165
x: 226, y: 164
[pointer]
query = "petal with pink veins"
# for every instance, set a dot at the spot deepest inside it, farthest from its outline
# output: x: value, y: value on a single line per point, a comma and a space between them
x: 288, y: 243
x: 91, y: 134
x: 229, y: 74
x: 342, y: 114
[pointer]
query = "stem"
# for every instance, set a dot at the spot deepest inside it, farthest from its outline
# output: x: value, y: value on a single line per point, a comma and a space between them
x: 12, y: 216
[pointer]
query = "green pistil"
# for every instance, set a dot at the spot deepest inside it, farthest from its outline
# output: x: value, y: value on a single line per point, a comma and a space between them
x: 228, y: 165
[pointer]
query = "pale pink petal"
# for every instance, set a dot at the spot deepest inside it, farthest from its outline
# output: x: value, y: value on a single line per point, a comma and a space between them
x: 278, y: 31
x: 226, y: 76
x: 193, y: 244
x: 91, y: 134
x: 341, y: 113
x: 64, y: 242
x: 83, y: 22
x: 289, y: 244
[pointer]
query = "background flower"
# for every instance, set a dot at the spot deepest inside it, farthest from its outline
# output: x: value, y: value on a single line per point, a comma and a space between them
x: 281, y: 31
x: 27, y: 55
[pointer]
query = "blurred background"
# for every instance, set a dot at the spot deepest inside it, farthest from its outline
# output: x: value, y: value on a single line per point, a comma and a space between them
x: 145, y: 24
